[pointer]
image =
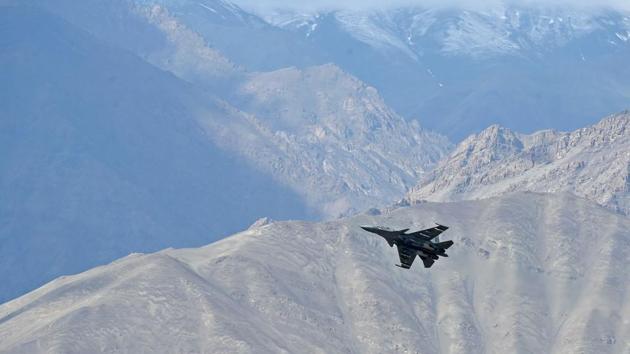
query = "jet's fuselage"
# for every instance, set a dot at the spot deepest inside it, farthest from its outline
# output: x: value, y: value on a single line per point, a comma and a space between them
x: 425, y: 246
x: 416, y: 242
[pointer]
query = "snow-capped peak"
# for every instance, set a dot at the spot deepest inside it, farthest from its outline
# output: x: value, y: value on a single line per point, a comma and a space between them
x: 495, y: 31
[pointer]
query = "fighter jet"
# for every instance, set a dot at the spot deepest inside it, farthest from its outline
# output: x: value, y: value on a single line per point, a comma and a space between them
x: 415, y: 243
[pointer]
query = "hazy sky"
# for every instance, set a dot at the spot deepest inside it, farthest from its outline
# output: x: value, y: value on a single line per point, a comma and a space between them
x: 470, y: 4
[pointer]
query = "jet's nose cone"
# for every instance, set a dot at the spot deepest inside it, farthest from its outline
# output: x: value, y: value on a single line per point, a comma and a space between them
x: 374, y: 230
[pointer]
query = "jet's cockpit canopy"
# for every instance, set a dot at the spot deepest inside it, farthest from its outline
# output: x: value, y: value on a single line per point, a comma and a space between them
x: 385, y: 228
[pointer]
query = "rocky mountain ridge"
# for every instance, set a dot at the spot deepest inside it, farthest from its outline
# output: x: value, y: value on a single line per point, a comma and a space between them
x: 592, y: 162
x: 337, y: 139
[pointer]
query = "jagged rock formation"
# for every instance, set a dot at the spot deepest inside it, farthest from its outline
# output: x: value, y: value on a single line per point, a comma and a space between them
x: 593, y: 162
x: 332, y: 138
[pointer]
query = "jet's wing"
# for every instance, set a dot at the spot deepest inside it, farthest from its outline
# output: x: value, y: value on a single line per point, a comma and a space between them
x: 428, y: 262
x: 431, y: 233
x: 407, y: 256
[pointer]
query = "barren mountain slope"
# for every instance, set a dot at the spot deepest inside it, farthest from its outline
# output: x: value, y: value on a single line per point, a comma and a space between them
x: 332, y: 138
x: 101, y: 154
x: 592, y: 162
x: 535, y: 273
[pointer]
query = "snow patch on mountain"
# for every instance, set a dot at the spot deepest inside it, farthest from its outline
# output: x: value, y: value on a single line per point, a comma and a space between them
x: 495, y: 31
x: 378, y: 30
x: 543, y: 273
x: 221, y: 11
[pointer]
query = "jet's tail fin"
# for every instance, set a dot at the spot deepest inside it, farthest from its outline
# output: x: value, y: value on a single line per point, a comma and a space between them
x: 445, y: 244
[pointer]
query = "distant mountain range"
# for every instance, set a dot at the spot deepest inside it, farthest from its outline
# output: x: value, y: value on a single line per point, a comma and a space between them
x: 456, y: 71
x: 592, y: 162
x: 539, y: 273
x: 459, y: 71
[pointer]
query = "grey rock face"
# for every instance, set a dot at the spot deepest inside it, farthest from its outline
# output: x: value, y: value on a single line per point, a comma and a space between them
x: 334, y: 139
x: 593, y: 162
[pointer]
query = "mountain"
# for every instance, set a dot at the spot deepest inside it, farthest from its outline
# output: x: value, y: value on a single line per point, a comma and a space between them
x: 543, y: 273
x: 102, y: 154
x: 592, y: 162
x: 456, y: 70
x: 319, y: 130
x: 494, y: 31
x: 524, y: 67
x: 333, y: 138
x: 243, y: 37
